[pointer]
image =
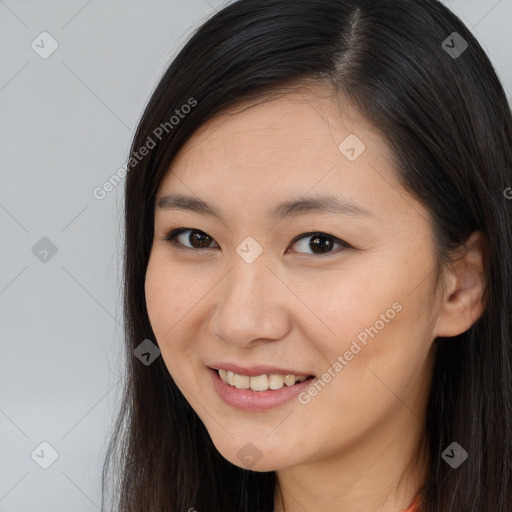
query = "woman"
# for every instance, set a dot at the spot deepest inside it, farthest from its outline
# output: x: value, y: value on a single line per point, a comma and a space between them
x: 318, y: 240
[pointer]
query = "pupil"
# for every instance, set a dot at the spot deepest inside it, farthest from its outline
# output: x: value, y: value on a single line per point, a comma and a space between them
x: 201, y: 237
x: 324, y: 245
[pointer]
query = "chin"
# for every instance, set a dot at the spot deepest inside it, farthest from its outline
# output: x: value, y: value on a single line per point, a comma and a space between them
x: 263, y: 465
x: 254, y: 456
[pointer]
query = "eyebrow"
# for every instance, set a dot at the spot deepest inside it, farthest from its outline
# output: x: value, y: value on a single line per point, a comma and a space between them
x: 291, y: 208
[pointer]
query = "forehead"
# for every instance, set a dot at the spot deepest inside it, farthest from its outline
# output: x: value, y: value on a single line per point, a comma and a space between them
x: 292, y: 134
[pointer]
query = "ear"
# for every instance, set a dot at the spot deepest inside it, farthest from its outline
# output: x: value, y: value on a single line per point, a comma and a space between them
x: 463, y: 299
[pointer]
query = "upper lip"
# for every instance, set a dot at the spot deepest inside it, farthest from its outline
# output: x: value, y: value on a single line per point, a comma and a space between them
x: 254, y: 371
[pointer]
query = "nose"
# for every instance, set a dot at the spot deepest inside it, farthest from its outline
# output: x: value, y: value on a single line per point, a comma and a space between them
x: 251, y: 305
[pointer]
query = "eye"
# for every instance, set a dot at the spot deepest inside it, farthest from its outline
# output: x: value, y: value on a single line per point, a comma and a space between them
x: 319, y: 243
x: 199, y: 239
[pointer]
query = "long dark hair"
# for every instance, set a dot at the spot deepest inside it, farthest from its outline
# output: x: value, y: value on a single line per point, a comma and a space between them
x: 446, y: 118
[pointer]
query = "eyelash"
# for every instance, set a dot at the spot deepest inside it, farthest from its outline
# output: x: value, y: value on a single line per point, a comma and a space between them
x: 174, y: 233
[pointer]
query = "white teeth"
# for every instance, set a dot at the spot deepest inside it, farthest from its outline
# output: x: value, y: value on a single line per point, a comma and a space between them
x: 275, y: 381
x: 289, y: 380
x: 242, y: 381
x: 261, y: 382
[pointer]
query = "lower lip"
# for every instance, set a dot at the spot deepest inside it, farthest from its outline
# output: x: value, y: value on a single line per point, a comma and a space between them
x: 250, y: 400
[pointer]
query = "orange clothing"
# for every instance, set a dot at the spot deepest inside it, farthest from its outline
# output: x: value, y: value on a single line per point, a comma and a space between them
x: 414, y: 506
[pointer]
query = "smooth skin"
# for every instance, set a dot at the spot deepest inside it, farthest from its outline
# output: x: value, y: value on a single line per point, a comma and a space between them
x: 353, y: 446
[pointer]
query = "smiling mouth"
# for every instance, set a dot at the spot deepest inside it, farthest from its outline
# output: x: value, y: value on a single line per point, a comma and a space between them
x: 260, y: 382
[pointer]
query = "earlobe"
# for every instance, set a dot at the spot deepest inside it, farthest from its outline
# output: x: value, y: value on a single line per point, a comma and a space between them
x: 463, y: 301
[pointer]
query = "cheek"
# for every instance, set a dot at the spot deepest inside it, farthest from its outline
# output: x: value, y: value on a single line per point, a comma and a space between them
x: 165, y: 298
x: 345, y: 307
x: 173, y: 300
x: 387, y: 359
x: 159, y: 302
x: 163, y: 307
x: 373, y: 322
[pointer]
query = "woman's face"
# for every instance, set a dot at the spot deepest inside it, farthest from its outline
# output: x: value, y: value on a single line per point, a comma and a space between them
x: 341, y: 293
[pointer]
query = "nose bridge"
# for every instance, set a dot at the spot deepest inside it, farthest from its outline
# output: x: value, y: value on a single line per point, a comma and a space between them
x: 249, y: 302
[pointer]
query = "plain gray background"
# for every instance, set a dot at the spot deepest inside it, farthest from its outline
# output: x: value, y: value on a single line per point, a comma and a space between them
x: 66, y: 126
